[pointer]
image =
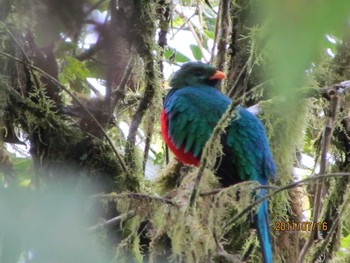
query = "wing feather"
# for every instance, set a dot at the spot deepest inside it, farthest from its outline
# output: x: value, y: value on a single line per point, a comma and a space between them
x: 191, y: 120
x: 247, y: 137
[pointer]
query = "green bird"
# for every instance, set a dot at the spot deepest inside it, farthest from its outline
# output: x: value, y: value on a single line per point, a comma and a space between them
x: 191, y: 110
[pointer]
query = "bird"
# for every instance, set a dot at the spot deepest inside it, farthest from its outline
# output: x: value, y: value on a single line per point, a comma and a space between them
x: 191, y: 110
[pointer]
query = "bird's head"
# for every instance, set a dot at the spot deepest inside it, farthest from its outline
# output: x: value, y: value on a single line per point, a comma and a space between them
x: 196, y: 74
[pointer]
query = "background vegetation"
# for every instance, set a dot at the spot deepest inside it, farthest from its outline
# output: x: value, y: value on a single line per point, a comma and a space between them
x: 81, y: 88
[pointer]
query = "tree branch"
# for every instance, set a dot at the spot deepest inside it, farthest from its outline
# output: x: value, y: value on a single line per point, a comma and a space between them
x: 113, y: 221
x: 109, y: 140
x: 224, y: 34
x: 193, y: 31
x: 119, y: 93
x: 114, y: 196
x: 320, y: 187
x: 235, y: 84
x: 287, y: 187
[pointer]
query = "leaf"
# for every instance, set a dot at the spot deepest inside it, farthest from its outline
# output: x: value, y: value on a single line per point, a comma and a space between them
x: 209, y: 34
x: 345, y: 243
x: 196, y: 51
x: 25, y: 182
x: 75, y: 73
x: 186, y: 2
x: 173, y: 55
x: 178, y: 21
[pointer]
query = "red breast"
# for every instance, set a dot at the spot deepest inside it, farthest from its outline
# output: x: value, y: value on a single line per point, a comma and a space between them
x: 186, y: 158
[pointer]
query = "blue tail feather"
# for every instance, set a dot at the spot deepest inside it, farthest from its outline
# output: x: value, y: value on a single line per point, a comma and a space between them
x: 262, y: 225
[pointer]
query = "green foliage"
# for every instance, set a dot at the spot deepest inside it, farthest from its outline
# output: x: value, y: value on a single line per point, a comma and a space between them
x: 285, y: 134
x: 209, y: 34
x: 174, y: 55
x: 295, y: 31
x: 196, y: 51
x: 74, y: 73
x: 345, y: 244
x: 129, y: 248
x: 23, y: 169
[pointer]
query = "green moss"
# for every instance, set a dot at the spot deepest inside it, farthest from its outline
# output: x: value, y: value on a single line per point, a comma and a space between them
x: 285, y: 125
x: 193, y: 235
x: 128, y: 249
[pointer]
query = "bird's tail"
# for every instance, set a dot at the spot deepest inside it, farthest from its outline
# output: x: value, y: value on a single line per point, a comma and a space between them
x: 262, y: 226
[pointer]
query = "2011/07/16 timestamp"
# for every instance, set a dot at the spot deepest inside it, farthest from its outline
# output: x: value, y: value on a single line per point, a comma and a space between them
x: 300, y: 226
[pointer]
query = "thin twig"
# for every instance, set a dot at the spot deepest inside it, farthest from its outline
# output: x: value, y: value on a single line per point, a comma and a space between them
x: 149, y: 133
x: 287, y: 187
x: 131, y: 213
x: 241, y: 98
x: 112, y: 221
x: 323, y: 247
x: 119, y: 93
x: 87, y: 54
x: 332, y: 230
x: 220, y: 250
x: 183, y: 25
x: 193, y: 31
x: 218, y: 190
x: 230, y: 94
x: 335, y: 223
x: 341, y: 89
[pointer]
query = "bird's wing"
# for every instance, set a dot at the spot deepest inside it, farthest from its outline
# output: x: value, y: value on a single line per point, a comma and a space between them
x: 192, y: 118
x: 246, y: 136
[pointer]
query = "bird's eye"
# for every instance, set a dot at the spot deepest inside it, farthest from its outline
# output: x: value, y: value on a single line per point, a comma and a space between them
x: 198, y: 72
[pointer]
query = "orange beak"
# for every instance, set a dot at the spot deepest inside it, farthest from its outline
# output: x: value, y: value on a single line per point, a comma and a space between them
x: 218, y: 75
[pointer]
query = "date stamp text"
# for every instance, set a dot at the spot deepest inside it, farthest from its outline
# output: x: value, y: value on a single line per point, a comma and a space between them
x: 300, y: 226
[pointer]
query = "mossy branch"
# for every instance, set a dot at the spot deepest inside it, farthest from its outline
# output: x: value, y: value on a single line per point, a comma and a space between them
x: 115, y: 197
x: 235, y: 84
x: 141, y: 110
x: 224, y: 26
x: 287, y: 187
x: 109, y: 140
x: 145, y: 27
x: 341, y: 89
x: 113, y: 221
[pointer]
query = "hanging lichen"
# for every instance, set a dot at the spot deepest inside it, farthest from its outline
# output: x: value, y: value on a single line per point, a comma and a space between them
x: 182, y: 234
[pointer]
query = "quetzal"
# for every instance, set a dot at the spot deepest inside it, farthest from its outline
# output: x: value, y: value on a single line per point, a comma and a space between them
x: 190, y: 112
